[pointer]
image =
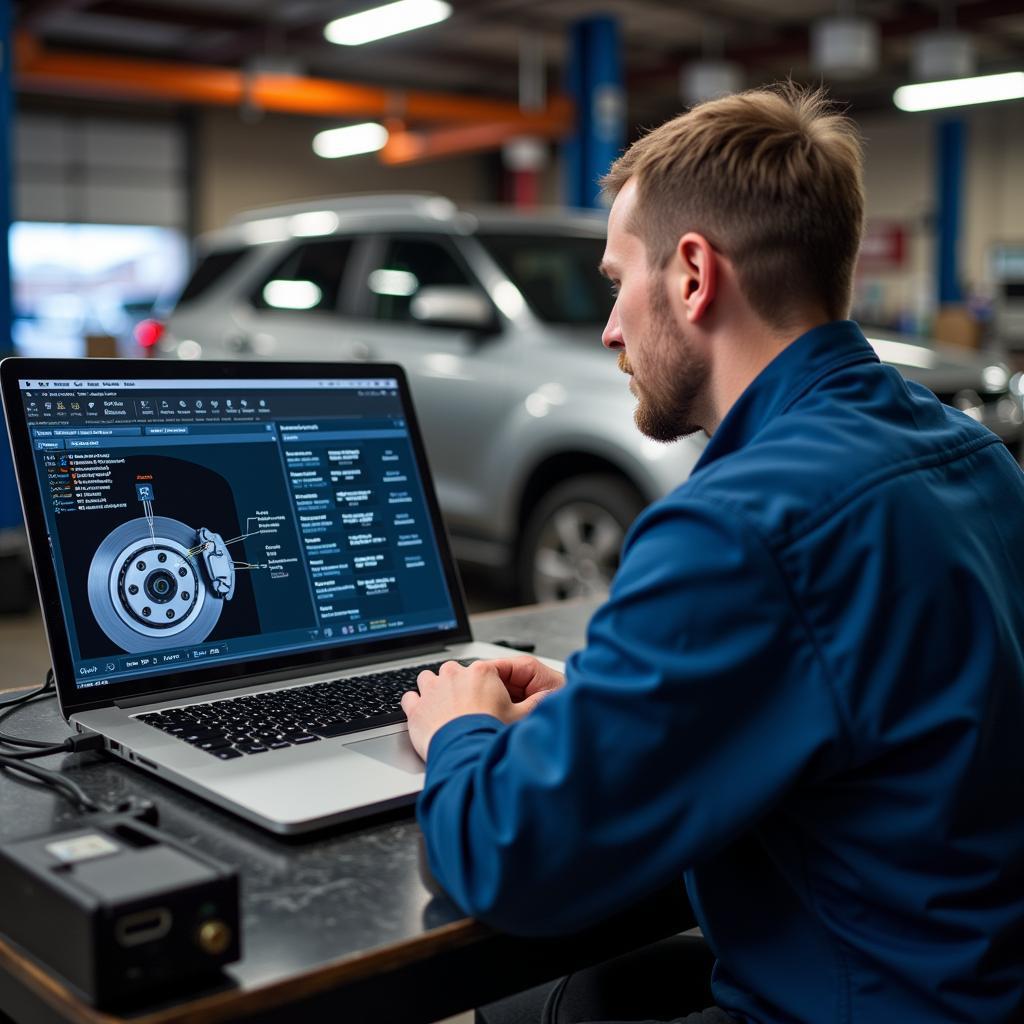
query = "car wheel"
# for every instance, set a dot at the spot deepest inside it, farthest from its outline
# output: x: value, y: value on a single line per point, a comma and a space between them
x: 573, y: 536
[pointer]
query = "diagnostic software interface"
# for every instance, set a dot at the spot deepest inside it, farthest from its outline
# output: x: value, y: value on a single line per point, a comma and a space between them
x: 199, y: 521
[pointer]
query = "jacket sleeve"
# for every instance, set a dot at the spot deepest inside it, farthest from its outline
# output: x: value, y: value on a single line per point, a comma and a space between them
x: 698, y: 701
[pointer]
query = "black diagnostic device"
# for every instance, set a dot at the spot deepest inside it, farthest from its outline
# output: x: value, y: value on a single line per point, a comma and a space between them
x: 119, y: 910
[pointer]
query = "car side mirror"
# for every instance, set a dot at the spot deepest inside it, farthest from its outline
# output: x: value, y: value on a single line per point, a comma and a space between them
x: 448, y: 305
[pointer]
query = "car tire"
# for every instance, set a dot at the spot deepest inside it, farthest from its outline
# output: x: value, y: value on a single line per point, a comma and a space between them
x: 573, y: 537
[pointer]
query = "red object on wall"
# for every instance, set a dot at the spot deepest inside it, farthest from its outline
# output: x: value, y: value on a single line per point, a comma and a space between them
x: 884, y: 246
x: 524, y: 188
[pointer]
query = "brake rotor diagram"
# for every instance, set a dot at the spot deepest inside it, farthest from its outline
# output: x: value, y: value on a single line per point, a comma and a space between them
x: 156, y: 582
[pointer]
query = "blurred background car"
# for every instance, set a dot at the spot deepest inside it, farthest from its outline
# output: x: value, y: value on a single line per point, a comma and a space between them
x: 496, y: 316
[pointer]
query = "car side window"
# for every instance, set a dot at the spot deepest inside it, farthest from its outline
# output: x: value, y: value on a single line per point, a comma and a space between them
x: 208, y: 271
x: 410, y: 264
x: 308, y: 279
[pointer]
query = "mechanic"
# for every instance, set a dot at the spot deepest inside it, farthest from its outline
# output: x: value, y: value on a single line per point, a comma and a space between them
x: 805, y: 693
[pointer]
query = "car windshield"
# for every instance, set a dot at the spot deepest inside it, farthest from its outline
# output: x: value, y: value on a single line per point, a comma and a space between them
x: 557, y: 275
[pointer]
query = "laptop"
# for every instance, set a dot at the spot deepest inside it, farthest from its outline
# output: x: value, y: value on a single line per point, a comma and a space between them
x: 241, y: 569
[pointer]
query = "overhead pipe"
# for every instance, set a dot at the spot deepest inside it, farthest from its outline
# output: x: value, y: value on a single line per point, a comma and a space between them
x: 39, y: 69
x: 412, y: 147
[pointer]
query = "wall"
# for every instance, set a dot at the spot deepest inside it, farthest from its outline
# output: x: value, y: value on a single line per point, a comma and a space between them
x: 92, y: 167
x: 244, y: 165
x: 900, y: 188
x: 994, y: 204
x: 900, y: 178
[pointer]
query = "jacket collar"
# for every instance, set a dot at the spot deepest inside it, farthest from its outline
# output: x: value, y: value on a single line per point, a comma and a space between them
x: 790, y: 375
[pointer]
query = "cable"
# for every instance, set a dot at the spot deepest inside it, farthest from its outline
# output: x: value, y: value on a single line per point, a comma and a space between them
x: 14, y: 760
x: 21, y: 698
x: 9, y: 706
x: 49, y: 751
x: 61, y: 783
x: 74, y: 744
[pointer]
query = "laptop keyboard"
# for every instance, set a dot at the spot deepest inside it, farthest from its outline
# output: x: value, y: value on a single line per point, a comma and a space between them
x: 276, y: 719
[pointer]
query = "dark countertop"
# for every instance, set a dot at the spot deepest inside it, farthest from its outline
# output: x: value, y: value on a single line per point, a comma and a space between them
x: 308, y: 901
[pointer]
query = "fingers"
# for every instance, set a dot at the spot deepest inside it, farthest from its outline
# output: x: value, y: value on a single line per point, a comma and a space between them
x: 528, y: 675
x: 521, y: 677
x: 410, y: 699
x: 532, y: 701
x: 427, y: 680
x: 520, y: 709
x: 516, y: 673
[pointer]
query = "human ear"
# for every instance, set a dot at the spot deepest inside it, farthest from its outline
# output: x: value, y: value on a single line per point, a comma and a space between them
x: 698, y: 265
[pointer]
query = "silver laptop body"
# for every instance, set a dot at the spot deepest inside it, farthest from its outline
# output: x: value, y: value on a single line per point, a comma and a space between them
x: 220, y: 530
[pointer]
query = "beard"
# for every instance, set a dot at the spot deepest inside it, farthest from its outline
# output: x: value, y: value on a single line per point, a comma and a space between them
x: 675, y: 378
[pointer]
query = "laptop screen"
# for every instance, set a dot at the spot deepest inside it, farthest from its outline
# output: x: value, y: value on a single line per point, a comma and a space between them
x: 195, y: 521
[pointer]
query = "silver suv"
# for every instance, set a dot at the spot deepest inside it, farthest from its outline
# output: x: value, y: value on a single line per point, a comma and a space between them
x: 496, y: 316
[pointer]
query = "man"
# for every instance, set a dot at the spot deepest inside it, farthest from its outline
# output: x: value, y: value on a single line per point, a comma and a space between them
x: 805, y: 694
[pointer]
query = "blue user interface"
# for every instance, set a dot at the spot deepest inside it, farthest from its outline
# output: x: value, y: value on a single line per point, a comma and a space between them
x: 200, y: 521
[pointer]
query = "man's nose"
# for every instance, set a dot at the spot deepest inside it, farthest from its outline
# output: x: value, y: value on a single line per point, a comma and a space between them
x: 611, y: 337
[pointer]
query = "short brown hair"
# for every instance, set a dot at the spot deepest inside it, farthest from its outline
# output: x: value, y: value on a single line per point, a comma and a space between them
x: 773, y: 178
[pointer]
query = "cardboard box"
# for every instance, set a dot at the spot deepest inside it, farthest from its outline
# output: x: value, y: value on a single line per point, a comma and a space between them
x: 955, y: 325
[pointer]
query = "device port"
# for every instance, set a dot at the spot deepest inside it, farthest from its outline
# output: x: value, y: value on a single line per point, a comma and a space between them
x: 114, y: 746
x: 145, y: 926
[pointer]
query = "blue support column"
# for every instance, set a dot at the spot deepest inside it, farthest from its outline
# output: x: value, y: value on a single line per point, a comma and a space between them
x: 594, y: 81
x: 10, y: 510
x: 951, y: 148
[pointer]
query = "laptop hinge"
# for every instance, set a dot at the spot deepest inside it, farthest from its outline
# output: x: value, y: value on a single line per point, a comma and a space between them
x: 202, y: 690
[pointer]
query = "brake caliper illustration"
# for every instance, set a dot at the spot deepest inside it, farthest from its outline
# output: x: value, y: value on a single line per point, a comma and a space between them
x: 220, y: 569
x: 155, y: 582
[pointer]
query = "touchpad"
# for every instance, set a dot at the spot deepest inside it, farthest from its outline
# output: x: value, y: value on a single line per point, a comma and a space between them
x: 395, y: 749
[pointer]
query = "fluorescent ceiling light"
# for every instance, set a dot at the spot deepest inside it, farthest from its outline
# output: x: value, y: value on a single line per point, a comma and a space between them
x: 960, y: 92
x: 350, y: 141
x: 389, y: 20
x: 283, y: 294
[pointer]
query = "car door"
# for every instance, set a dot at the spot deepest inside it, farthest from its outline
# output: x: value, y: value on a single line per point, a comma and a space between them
x: 460, y: 399
x: 292, y: 311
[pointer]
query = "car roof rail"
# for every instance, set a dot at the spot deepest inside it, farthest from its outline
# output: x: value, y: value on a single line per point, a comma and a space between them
x: 437, y: 206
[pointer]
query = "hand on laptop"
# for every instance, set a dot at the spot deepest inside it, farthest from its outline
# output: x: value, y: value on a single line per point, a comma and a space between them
x: 508, y: 689
x: 528, y: 680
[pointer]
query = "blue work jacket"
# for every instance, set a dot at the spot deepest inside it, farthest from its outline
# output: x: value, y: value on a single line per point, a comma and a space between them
x: 805, y: 695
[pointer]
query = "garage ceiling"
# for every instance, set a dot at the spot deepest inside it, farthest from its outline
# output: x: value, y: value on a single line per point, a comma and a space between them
x: 476, y: 51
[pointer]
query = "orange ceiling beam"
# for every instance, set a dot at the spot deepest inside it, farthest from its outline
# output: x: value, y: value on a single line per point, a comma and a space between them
x: 415, y: 147
x: 38, y: 69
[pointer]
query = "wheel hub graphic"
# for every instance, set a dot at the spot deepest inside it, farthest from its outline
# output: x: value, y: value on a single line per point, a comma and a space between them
x: 150, y: 584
